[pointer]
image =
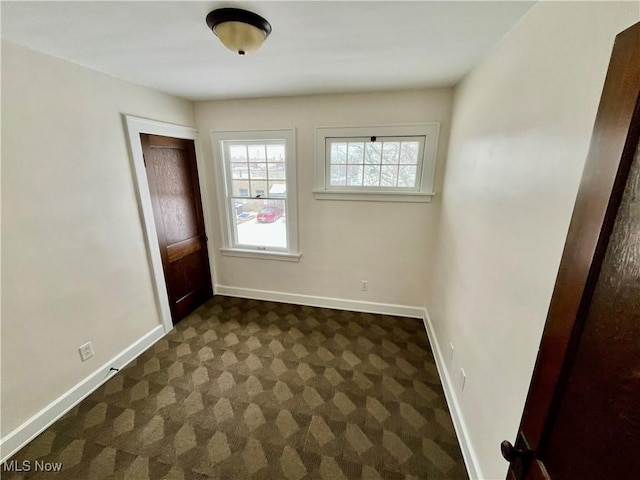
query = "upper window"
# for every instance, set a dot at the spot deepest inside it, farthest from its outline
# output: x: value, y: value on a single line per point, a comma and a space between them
x: 258, y: 169
x: 393, y: 163
x: 372, y: 163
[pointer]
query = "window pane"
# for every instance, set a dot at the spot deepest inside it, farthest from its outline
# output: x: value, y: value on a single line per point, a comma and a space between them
x: 371, y: 175
x: 238, y: 153
x: 338, y: 175
x: 355, y: 152
x: 257, y: 153
x: 258, y: 170
x: 390, y: 151
x: 372, y: 153
x: 241, y: 188
x: 277, y: 171
x: 374, y: 158
x: 259, y: 187
x: 389, y: 176
x: 409, y: 152
x: 275, y: 153
x: 338, y: 153
x: 260, y: 223
x: 354, y: 175
x: 239, y: 170
x: 278, y: 189
x: 407, y: 176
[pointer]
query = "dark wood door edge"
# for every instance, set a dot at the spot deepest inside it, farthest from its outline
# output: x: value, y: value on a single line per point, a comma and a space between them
x: 615, y: 136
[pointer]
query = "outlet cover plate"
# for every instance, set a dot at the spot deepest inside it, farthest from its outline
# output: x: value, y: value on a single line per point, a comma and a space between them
x: 86, y: 351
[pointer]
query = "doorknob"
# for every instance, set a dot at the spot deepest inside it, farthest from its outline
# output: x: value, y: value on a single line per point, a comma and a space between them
x: 511, y: 453
x: 518, y: 456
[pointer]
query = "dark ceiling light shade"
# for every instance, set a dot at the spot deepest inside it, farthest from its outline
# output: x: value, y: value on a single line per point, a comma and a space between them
x: 239, y: 30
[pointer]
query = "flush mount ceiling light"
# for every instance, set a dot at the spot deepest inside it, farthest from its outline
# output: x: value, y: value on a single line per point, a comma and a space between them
x: 239, y: 30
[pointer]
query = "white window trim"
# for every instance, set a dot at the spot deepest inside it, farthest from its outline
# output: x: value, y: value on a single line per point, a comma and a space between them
x: 228, y: 249
x: 268, y: 254
x: 424, y: 193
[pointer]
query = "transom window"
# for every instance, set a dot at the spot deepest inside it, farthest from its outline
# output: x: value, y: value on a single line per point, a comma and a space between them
x: 394, y: 163
x: 387, y: 162
x: 258, y: 170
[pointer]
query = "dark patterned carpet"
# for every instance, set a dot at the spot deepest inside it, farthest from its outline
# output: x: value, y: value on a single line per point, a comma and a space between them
x: 245, y: 389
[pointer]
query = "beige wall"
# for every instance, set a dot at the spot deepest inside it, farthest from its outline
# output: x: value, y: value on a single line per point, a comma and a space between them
x: 342, y: 242
x: 521, y: 129
x: 74, y: 264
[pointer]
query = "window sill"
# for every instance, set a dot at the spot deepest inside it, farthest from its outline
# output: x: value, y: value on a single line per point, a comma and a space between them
x: 263, y: 255
x: 413, y: 197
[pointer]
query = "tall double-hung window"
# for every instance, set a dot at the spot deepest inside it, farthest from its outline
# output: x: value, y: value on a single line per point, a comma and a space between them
x: 258, y: 172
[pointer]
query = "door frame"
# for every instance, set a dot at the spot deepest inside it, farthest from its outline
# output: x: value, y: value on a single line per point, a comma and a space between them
x: 134, y: 127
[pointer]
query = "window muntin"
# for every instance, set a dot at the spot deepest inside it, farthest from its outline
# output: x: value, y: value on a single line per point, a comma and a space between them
x: 390, y: 163
x: 256, y: 166
x: 259, y: 190
x: 379, y: 163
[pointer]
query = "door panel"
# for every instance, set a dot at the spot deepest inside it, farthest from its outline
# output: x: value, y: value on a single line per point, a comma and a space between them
x: 581, y: 418
x: 182, y: 249
x: 177, y: 209
x: 597, y: 430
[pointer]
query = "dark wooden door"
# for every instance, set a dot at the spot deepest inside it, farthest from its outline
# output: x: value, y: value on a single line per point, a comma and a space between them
x: 177, y: 210
x: 582, y: 415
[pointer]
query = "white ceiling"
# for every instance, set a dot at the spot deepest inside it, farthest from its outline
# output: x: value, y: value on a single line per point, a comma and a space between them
x: 315, y: 47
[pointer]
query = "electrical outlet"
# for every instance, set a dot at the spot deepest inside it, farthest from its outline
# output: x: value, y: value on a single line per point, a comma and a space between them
x: 463, y: 379
x: 364, y: 286
x: 86, y: 351
x: 451, y: 350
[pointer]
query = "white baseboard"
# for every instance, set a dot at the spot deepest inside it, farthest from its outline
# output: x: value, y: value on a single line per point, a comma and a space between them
x: 466, y: 447
x: 30, y: 429
x: 468, y: 452
x: 324, y: 302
